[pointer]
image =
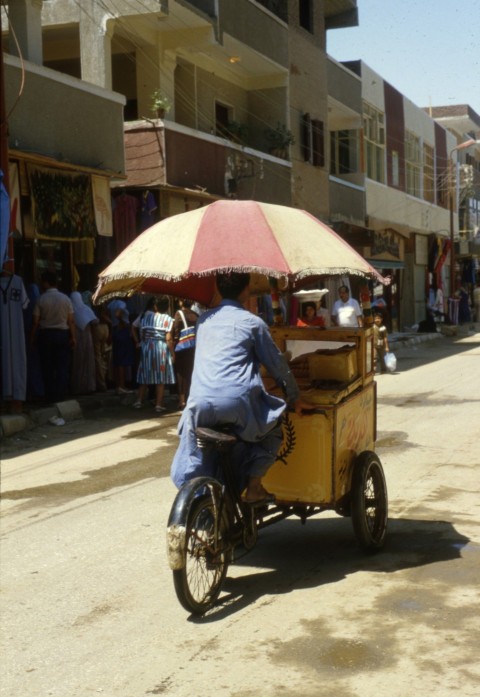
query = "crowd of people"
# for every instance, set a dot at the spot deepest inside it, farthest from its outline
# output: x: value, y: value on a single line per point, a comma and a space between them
x: 69, y: 346
x: 74, y: 347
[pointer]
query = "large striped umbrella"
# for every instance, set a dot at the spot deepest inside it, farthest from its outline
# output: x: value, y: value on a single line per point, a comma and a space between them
x: 181, y: 254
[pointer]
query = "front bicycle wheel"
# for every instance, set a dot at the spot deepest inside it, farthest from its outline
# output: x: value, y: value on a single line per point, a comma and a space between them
x: 369, y: 502
x: 199, y: 581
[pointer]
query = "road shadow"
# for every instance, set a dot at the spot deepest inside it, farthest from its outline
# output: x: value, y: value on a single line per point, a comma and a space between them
x: 290, y: 557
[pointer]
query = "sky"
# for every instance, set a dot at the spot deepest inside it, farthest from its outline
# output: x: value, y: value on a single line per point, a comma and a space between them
x: 429, y: 50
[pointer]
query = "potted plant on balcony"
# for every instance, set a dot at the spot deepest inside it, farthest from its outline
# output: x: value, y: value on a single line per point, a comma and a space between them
x: 279, y: 139
x: 236, y: 131
x: 160, y: 104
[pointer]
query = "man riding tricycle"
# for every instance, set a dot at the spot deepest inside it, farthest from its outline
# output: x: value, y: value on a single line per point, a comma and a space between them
x: 281, y: 420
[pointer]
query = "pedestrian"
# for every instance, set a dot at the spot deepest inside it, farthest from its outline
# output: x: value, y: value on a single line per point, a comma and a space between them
x: 102, y: 345
x: 53, y: 326
x: 476, y: 301
x: 464, y: 315
x: 152, y: 332
x: 83, y: 359
x: 227, y: 389
x: 380, y: 343
x: 123, y: 347
x: 35, y: 388
x: 310, y: 317
x: 346, y: 310
x: 184, y: 317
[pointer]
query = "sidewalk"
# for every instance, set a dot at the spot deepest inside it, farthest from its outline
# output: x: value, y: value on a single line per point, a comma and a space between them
x: 399, y: 340
x: 58, y: 414
x: 61, y: 412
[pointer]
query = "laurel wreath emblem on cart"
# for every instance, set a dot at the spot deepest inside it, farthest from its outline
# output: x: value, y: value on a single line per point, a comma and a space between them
x: 289, y: 439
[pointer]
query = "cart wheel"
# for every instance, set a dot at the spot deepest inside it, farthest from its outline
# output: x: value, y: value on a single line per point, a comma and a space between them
x: 369, y: 502
x: 199, y: 582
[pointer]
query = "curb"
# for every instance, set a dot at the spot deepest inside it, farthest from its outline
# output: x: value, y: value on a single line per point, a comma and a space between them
x: 396, y: 344
x: 10, y: 424
x: 69, y: 410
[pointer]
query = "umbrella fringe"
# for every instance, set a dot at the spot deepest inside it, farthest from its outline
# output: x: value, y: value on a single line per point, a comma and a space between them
x: 263, y: 271
x: 143, y: 276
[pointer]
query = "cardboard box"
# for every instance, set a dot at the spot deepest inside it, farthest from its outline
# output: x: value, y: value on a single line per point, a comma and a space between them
x: 333, y: 364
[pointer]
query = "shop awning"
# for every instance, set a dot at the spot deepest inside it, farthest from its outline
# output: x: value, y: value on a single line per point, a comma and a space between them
x: 386, y: 264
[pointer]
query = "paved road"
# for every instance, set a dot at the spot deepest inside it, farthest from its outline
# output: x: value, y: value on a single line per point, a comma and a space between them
x: 88, y: 605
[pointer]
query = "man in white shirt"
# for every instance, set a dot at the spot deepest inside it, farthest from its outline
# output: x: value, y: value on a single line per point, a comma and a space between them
x: 346, y: 311
x: 53, y: 325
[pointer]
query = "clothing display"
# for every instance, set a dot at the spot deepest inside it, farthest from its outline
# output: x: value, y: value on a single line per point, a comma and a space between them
x: 101, y: 202
x: 13, y: 300
x: 125, y: 209
x: 147, y: 208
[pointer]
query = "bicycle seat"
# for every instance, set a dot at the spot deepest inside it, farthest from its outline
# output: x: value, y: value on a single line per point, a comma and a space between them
x: 212, y: 437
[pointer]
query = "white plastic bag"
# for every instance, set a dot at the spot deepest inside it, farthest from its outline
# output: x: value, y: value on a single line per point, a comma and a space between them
x: 391, y: 362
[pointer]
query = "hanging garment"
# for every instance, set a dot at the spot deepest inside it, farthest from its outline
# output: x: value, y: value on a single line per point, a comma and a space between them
x: 13, y: 300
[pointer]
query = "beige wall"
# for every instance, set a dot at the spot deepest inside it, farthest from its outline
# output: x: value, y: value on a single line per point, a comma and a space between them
x: 372, y: 88
x: 255, y: 27
x: 394, y: 207
x: 308, y: 94
x: 345, y: 87
x: 62, y: 117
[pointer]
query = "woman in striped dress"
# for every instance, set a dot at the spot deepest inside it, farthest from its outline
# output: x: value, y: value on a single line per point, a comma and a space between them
x: 153, y: 335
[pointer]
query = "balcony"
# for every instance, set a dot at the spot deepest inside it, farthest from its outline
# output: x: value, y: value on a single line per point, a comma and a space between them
x: 63, y: 118
x: 347, y: 200
x: 166, y: 154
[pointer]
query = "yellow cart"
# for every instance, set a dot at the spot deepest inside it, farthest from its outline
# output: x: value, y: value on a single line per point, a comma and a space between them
x: 327, y: 461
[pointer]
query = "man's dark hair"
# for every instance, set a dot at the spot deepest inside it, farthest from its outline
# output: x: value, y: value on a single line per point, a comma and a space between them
x: 162, y: 302
x: 230, y: 285
x: 49, y: 277
x: 345, y: 288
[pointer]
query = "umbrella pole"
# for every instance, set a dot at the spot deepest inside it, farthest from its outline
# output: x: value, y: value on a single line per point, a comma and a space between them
x: 274, y: 294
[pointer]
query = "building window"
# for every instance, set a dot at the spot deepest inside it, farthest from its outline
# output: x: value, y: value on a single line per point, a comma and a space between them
x: 413, y: 164
x: 313, y: 141
x: 374, y: 142
x: 428, y: 174
x: 343, y: 152
x: 223, y: 117
x: 395, y: 168
x: 305, y: 15
x: 278, y: 7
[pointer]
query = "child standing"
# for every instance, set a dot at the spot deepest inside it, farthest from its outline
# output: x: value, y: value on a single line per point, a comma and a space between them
x: 380, y: 340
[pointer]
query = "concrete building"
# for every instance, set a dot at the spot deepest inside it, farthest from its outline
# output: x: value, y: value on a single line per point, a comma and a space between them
x: 63, y: 134
x: 243, y: 86
x: 390, y: 186
x: 249, y: 105
x: 464, y: 123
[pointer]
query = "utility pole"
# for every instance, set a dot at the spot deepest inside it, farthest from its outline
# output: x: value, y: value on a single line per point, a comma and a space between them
x: 452, y: 206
